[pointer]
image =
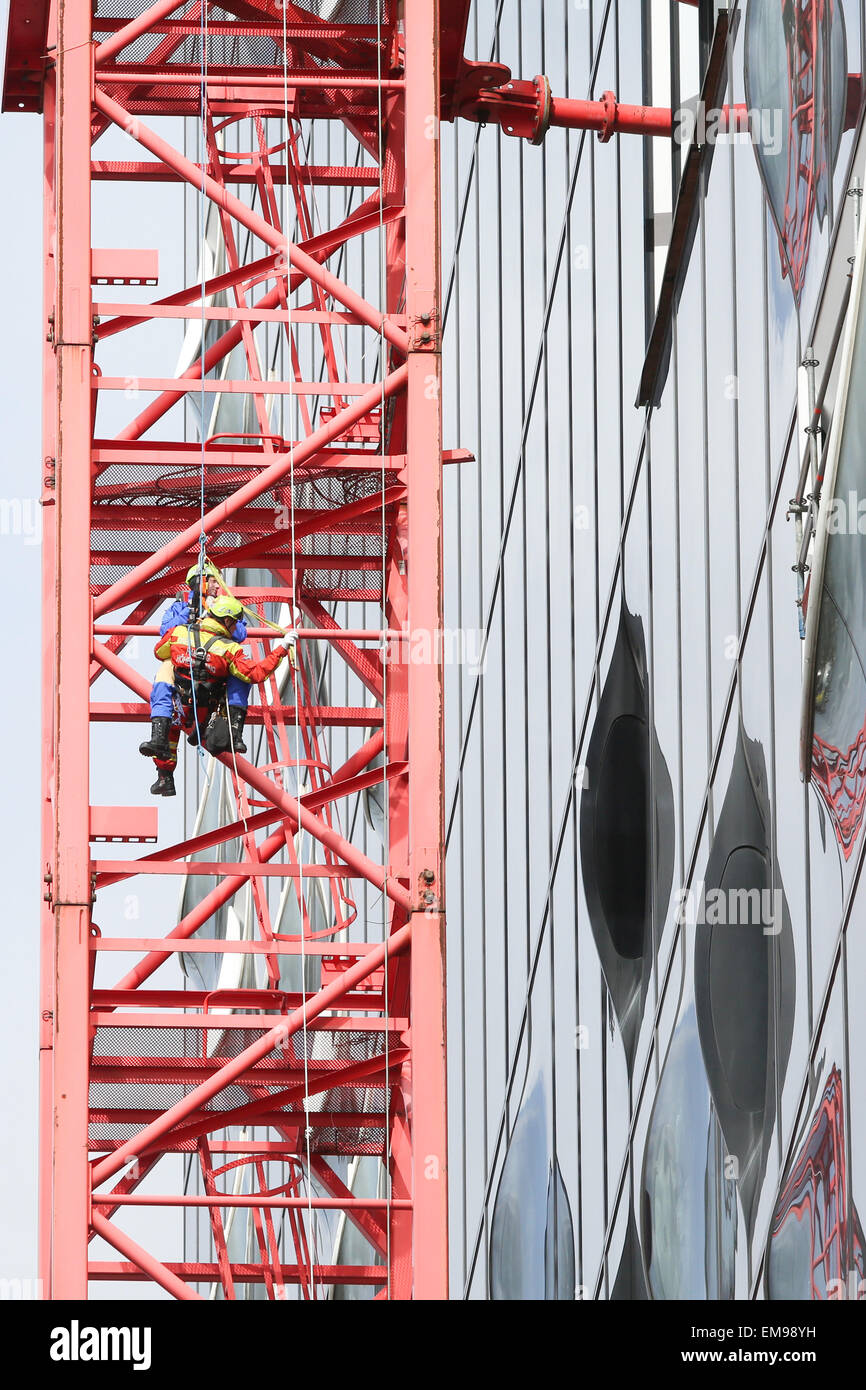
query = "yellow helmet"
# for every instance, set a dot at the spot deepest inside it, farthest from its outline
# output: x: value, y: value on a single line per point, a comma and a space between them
x: 209, y: 568
x: 226, y: 607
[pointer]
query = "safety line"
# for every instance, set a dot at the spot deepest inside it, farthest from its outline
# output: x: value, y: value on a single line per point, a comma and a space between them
x: 297, y: 681
x: 202, y: 543
x: 386, y: 827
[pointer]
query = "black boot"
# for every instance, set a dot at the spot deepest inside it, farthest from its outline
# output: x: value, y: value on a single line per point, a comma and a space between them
x: 157, y: 745
x: 237, y: 719
x: 164, y: 784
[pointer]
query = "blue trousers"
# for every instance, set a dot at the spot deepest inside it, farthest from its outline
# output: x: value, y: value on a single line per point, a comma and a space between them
x: 162, y: 703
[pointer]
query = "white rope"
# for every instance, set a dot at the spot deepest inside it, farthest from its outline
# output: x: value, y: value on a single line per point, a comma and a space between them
x: 293, y: 428
x: 202, y: 541
x: 386, y: 827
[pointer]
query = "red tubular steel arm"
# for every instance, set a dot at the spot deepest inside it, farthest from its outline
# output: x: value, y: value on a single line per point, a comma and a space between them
x: 610, y: 117
x: 527, y: 110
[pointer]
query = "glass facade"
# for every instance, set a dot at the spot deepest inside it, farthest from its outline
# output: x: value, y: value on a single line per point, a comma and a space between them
x: 656, y: 936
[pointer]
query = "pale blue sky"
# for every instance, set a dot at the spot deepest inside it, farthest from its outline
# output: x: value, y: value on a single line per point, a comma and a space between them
x: 20, y: 151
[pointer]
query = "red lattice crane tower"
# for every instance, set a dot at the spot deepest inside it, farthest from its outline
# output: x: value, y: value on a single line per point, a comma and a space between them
x: 298, y: 1081
x: 369, y: 452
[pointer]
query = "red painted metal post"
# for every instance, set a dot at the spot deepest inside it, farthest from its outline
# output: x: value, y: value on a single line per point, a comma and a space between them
x: 70, y: 884
x: 49, y: 541
x: 424, y: 568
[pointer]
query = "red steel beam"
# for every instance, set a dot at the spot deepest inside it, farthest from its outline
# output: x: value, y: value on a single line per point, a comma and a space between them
x: 258, y: 1199
x: 324, y: 716
x: 49, y: 582
x: 361, y: 1275
x: 68, y: 855
x: 156, y: 171
x: 182, y: 74
x: 429, y: 1254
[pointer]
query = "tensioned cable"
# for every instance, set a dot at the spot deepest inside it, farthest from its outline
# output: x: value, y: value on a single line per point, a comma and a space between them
x: 513, y: 488
x: 202, y: 540
x: 386, y: 827
x: 296, y: 678
x: 521, y: 457
x: 384, y: 575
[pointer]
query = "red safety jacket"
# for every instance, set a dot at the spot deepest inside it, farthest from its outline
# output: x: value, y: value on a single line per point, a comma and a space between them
x: 223, y: 657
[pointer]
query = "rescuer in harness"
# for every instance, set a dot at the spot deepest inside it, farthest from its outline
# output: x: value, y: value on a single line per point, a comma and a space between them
x: 201, y: 592
x: 204, y: 656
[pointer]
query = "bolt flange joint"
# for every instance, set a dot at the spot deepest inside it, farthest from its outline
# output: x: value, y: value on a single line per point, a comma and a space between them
x: 609, y: 106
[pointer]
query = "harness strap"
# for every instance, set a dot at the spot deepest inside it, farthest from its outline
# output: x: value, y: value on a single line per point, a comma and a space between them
x: 199, y: 674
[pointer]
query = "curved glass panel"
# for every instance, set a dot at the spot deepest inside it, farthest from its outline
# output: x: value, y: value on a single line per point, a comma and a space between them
x: 839, y: 729
x: 743, y: 938
x: 739, y: 984
x: 531, y: 1233
x: 796, y: 69
x: 809, y: 1236
x: 621, y: 826
x: 833, y: 749
x: 720, y: 1251
x: 630, y: 1283
x: 688, y: 1208
x: 558, y: 1239
x: 627, y: 788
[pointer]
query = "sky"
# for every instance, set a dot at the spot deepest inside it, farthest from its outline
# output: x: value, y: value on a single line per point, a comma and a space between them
x: 20, y: 566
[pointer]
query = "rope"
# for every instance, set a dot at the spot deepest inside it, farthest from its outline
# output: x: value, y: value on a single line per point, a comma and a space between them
x: 298, y: 684
x: 202, y: 541
x: 386, y: 828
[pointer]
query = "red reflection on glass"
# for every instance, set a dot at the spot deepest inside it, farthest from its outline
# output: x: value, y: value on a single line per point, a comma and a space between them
x: 841, y: 780
x: 803, y: 63
x: 816, y: 1192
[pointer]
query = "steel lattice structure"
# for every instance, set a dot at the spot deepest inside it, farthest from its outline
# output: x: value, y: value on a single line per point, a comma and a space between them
x: 374, y: 447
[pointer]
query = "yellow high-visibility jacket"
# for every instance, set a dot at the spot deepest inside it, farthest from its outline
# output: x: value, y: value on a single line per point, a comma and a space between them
x: 223, y: 658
